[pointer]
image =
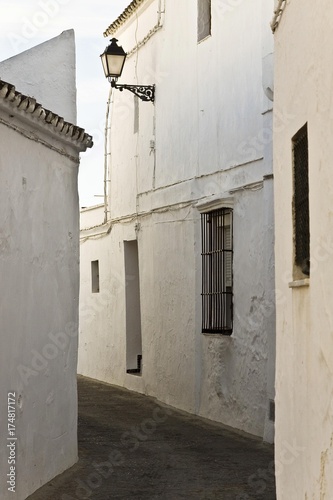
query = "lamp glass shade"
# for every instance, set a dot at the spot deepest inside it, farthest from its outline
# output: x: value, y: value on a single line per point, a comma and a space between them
x: 113, y: 60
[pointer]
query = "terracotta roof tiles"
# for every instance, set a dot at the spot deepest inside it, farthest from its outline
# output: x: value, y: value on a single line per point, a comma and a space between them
x: 127, y: 13
x: 29, y: 105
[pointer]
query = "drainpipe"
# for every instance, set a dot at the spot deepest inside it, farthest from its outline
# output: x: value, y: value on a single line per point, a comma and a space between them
x: 106, y: 155
x: 158, y: 25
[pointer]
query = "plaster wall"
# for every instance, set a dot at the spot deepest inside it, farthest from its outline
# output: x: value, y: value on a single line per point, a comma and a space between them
x: 103, y: 315
x: 304, y: 379
x: 39, y: 262
x: 39, y: 266
x: 47, y: 72
x: 91, y: 216
x: 204, y: 139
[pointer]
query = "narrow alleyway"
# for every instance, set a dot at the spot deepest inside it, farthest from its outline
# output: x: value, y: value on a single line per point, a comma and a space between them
x: 132, y: 447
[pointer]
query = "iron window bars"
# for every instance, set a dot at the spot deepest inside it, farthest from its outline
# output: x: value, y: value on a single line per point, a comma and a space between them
x: 217, y: 271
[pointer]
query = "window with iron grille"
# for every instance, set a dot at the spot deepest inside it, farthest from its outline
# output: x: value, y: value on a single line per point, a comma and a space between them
x: 204, y: 19
x: 301, y: 203
x: 217, y: 264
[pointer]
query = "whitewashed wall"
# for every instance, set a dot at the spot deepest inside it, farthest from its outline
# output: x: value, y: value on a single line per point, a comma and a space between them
x: 38, y: 308
x: 205, y: 138
x: 304, y: 378
x: 48, y: 73
x: 39, y: 267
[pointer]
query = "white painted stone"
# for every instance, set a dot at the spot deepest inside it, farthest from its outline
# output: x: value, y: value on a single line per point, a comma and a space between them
x: 304, y: 378
x: 47, y: 72
x: 211, y: 141
x: 39, y: 267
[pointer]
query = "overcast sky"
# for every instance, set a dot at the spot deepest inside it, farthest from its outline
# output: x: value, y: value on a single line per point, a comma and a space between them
x: 25, y: 23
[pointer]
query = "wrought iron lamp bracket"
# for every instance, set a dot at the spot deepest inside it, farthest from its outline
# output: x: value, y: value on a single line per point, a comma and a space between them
x: 144, y: 92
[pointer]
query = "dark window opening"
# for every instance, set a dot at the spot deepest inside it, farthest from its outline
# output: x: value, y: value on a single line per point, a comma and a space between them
x: 301, y: 203
x: 204, y: 19
x: 217, y: 271
x: 95, y: 276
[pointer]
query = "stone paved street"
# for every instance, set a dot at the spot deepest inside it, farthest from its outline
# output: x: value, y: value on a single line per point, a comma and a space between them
x: 132, y: 447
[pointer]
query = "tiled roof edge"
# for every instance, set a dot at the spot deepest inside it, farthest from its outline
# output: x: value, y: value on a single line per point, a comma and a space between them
x: 30, y: 106
x: 126, y: 14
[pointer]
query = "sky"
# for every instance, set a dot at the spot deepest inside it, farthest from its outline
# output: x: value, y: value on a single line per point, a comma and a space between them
x: 26, y: 23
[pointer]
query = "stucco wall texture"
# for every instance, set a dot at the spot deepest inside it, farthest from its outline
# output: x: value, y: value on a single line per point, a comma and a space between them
x: 47, y: 72
x: 304, y: 378
x: 204, y: 140
x: 39, y: 267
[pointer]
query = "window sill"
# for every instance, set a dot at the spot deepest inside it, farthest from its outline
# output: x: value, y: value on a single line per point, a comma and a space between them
x: 134, y: 373
x: 299, y: 283
x: 217, y: 335
x: 204, y: 38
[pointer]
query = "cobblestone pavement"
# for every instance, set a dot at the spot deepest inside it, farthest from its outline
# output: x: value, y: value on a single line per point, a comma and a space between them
x: 130, y: 446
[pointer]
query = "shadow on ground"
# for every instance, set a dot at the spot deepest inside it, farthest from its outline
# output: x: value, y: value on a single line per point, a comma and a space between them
x: 132, y: 447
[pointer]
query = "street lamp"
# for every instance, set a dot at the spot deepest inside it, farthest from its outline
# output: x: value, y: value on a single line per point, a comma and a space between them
x: 113, y: 60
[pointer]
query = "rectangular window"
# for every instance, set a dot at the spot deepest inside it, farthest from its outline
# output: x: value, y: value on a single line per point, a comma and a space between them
x: 204, y: 19
x: 217, y: 271
x: 95, y: 276
x: 301, y: 204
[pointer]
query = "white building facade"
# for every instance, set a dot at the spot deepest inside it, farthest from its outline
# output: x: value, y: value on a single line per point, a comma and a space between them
x: 304, y: 265
x: 39, y: 262
x: 177, y: 284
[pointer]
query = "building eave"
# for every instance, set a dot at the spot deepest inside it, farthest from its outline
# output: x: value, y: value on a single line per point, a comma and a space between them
x: 45, y: 118
x: 123, y: 18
